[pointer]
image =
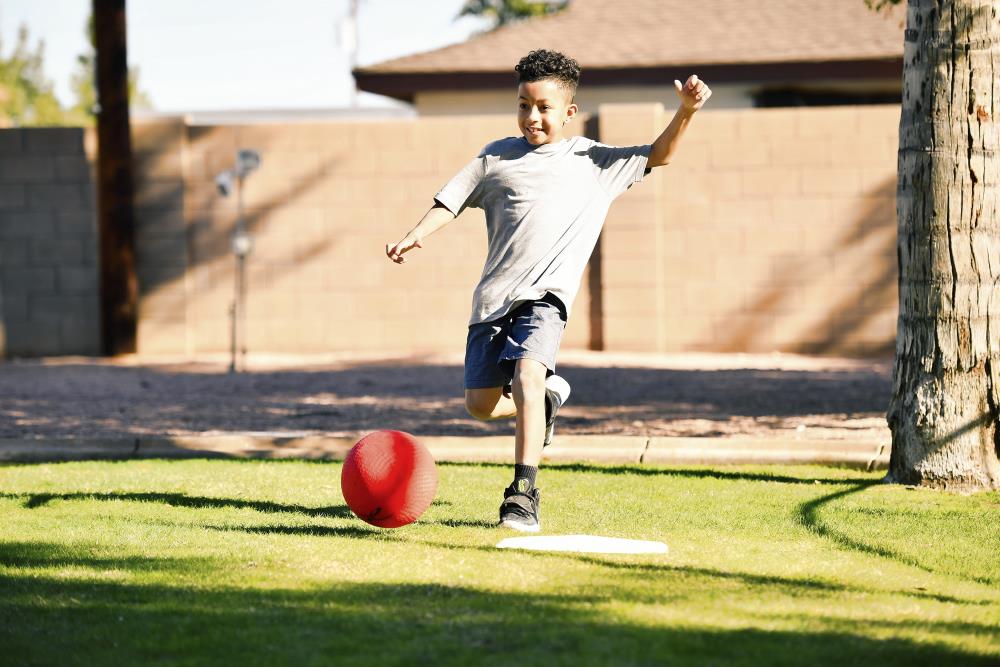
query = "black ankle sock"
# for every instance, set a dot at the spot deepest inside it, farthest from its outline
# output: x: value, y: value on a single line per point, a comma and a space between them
x: 528, y: 473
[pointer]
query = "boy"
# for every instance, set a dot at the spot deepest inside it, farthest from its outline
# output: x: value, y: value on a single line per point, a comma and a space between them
x: 545, y: 197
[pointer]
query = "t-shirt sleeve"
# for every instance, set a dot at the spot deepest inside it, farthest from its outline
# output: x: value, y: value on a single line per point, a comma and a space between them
x: 465, y: 187
x: 618, y: 167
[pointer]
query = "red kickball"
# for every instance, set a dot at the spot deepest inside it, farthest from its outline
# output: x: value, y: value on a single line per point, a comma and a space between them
x: 389, y: 479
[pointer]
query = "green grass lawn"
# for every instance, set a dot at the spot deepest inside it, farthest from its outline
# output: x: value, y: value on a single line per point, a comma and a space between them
x: 253, y: 562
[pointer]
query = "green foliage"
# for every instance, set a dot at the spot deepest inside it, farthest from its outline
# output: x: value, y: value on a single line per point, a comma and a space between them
x: 507, y: 11
x: 26, y: 96
x: 260, y: 562
x: 84, y: 86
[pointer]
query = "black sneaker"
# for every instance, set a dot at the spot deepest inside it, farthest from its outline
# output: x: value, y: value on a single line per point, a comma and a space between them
x: 519, y: 509
x: 556, y: 393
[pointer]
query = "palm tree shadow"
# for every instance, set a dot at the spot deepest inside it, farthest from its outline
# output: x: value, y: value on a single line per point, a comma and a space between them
x: 810, y: 516
x: 834, y: 332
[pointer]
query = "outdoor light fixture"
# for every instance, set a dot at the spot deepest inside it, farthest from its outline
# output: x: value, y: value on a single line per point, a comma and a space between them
x: 247, y: 161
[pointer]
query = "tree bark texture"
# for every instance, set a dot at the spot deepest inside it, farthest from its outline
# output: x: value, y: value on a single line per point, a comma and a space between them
x: 115, y: 214
x: 945, y: 410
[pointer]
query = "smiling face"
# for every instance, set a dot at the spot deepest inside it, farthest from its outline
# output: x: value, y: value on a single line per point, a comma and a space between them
x: 543, y: 108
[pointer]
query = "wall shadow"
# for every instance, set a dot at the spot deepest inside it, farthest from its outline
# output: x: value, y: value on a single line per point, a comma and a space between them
x: 166, y: 256
x: 394, y: 623
x: 834, y: 333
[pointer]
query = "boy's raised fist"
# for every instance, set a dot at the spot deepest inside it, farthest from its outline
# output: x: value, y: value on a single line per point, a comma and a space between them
x: 693, y: 93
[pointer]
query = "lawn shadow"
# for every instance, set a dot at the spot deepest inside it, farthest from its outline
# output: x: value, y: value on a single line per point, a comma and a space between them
x: 692, y: 473
x: 464, y: 523
x: 49, y: 554
x: 414, y: 623
x: 34, y: 500
x: 779, y: 582
x: 787, y: 585
x: 810, y: 516
x: 307, y: 531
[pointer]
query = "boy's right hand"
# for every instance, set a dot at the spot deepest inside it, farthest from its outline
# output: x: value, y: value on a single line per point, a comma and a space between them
x: 396, y: 252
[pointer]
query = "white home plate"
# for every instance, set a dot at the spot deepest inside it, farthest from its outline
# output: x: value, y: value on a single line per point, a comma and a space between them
x: 591, y: 544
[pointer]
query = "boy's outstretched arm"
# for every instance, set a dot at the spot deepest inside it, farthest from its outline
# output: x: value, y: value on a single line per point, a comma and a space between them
x: 694, y: 93
x: 436, y: 218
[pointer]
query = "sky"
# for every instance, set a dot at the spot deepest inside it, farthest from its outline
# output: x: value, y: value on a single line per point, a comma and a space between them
x: 198, y: 55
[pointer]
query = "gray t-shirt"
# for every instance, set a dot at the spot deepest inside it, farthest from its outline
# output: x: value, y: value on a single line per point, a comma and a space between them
x: 545, y: 207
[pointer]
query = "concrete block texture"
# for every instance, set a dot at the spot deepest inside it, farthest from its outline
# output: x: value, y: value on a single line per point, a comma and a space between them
x: 72, y: 169
x: 11, y: 140
x: 52, y: 141
x: 772, y: 229
x: 48, y: 244
x: 26, y: 168
x: 801, y: 234
x: 12, y: 197
x: 55, y: 196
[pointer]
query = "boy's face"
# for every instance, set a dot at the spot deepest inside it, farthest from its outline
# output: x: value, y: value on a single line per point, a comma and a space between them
x: 543, y: 108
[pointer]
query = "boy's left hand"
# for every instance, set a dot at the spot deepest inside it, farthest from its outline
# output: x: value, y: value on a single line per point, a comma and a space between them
x: 694, y: 93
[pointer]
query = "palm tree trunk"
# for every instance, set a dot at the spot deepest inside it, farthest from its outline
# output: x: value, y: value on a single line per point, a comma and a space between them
x: 945, y: 410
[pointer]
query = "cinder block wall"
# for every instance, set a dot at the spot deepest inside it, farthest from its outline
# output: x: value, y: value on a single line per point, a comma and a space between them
x: 49, y: 301
x: 773, y: 229
x: 325, y: 202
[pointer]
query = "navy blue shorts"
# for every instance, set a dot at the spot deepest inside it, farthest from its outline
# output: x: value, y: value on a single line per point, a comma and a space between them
x: 532, y: 330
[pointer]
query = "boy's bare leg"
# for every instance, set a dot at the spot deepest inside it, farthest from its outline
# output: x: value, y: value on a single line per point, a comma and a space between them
x: 528, y: 389
x: 527, y: 404
x: 489, y: 403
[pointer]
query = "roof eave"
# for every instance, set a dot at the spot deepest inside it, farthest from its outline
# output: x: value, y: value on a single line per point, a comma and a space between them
x: 405, y: 85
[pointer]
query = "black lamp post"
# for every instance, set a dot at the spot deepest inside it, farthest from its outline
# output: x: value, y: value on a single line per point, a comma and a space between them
x: 247, y: 160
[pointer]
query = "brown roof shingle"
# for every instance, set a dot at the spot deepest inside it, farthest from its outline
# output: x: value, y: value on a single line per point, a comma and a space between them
x: 626, y: 34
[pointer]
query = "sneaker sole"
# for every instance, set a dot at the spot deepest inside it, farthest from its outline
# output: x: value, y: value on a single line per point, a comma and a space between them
x: 521, y: 527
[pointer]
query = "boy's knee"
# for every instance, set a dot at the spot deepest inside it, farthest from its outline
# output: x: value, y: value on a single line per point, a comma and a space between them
x: 475, y: 410
x: 479, y: 406
x: 529, y: 376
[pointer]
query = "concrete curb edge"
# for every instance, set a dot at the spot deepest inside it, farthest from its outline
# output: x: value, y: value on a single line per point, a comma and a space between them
x: 602, y: 449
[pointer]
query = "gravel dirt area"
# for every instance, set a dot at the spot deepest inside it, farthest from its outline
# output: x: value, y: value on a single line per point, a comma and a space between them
x: 625, y: 394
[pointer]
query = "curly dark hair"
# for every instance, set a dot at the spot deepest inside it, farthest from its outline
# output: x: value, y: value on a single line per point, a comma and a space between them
x: 542, y: 64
